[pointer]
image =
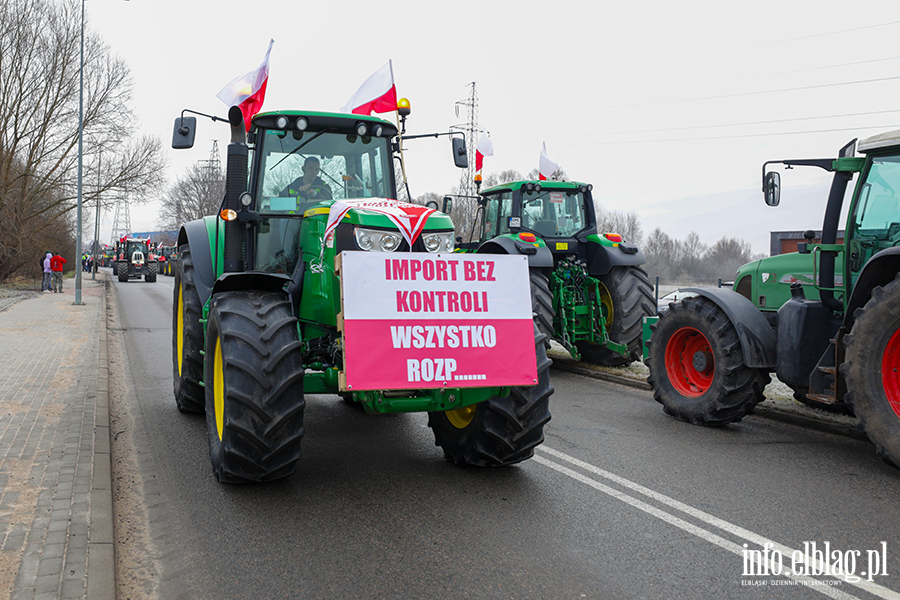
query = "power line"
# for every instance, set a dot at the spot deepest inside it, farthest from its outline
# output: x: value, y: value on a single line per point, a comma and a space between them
x: 737, y: 95
x: 849, y: 64
x: 743, y: 124
x: 730, y: 137
x: 815, y: 35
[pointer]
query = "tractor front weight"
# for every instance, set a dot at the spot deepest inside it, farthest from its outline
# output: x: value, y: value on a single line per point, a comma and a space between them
x: 580, y: 313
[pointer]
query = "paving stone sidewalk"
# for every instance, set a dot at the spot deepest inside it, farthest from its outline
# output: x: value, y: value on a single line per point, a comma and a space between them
x: 56, y: 532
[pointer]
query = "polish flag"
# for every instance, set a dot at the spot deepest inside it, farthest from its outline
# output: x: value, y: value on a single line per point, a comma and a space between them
x: 248, y: 91
x: 547, y: 166
x: 484, y: 148
x: 378, y: 94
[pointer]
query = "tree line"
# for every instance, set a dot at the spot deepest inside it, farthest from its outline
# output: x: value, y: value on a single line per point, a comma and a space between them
x: 40, y: 61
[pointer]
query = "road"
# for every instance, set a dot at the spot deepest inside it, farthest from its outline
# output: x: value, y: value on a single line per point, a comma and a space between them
x: 620, y: 502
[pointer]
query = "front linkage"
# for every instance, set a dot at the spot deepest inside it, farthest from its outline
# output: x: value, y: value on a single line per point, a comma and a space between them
x: 578, y: 307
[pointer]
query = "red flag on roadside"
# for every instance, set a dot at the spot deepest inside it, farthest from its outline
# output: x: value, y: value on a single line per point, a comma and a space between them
x: 546, y: 167
x: 248, y: 91
x: 377, y: 94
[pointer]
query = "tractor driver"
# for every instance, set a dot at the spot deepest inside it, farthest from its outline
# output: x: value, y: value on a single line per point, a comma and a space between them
x: 309, y: 185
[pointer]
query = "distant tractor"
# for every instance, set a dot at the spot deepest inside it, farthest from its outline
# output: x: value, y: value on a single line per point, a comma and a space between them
x: 588, y: 288
x: 826, y: 320
x: 134, y: 260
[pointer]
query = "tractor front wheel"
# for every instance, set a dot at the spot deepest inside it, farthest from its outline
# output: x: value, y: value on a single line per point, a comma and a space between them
x: 697, y: 366
x: 152, y: 271
x: 122, y: 270
x: 187, y: 339
x: 501, y: 430
x: 254, y: 387
x: 872, y: 369
x: 626, y: 296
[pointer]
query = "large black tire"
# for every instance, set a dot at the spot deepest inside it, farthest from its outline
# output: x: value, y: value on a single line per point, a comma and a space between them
x: 152, y: 271
x: 542, y: 304
x: 254, y: 387
x: 501, y: 430
x: 626, y: 291
x: 122, y: 270
x: 697, y: 368
x: 187, y: 339
x: 872, y: 370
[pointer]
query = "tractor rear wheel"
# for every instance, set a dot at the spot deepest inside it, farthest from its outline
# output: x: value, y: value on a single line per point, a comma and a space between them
x: 122, y: 270
x: 501, y: 430
x: 697, y: 366
x: 872, y: 368
x: 187, y: 339
x: 542, y: 303
x: 254, y: 387
x: 626, y: 296
x: 152, y: 271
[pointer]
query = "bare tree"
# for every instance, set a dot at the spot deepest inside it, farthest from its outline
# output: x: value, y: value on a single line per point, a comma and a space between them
x: 39, y: 84
x: 626, y: 224
x: 726, y: 255
x: 194, y: 195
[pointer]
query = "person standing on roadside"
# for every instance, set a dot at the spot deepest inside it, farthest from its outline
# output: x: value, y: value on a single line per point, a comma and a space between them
x: 45, y: 282
x: 56, y: 266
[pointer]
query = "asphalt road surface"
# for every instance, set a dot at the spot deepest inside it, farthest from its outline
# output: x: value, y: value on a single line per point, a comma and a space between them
x: 621, y: 501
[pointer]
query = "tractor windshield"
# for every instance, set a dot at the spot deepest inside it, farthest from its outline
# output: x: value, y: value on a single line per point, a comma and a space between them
x: 297, y: 170
x: 553, y: 213
x: 878, y: 214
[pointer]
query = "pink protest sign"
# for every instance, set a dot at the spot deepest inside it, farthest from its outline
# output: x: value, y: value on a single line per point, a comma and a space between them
x: 415, y: 321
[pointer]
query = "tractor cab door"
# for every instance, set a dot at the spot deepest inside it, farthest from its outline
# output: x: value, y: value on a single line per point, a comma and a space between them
x: 498, y: 210
x: 874, y: 223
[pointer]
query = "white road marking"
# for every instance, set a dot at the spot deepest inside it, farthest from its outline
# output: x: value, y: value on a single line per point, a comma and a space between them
x: 832, y: 592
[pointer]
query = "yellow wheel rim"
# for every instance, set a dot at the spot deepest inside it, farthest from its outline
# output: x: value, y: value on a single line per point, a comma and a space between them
x: 461, y: 417
x: 219, y: 389
x: 179, y: 332
x: 606, y: 302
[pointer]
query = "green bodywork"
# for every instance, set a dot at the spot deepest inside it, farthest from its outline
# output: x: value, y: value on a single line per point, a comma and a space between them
x: 292, y: 229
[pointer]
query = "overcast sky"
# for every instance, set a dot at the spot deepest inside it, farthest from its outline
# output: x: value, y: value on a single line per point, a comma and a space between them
x: 668, y: 108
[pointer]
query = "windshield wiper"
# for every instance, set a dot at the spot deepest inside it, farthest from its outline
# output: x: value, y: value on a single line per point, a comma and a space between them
x: 297, y: 149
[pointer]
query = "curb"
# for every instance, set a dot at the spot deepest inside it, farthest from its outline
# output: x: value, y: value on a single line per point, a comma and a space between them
x: 766, y: 412
x: 101, y: 566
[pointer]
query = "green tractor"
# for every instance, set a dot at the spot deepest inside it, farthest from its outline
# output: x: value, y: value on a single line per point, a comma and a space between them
x: 826, y: 320
x: 262, y: 290
x: 591, y: 289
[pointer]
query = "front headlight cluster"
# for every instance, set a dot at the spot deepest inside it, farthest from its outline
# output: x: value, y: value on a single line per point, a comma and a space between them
x: 374, y: 240
x: 438, y: 242
x: 377, y: 240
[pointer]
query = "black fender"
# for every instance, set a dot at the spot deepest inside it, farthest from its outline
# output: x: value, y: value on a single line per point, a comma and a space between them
x: 195, y: 235
x: 758, y: 340
x: 537, y: 257
x: 251, y: 280
x: 879, y: 270
x: 601, y: 259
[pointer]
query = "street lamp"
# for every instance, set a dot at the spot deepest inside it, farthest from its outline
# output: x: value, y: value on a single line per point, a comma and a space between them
x: 78, y: 242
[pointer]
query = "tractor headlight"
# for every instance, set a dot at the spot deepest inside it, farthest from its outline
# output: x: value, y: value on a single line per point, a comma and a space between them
x: 438, y: 242
x: 374, y: 240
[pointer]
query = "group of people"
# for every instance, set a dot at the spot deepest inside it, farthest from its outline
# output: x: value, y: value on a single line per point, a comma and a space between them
x: 87, y: 262
x: 53, y: 273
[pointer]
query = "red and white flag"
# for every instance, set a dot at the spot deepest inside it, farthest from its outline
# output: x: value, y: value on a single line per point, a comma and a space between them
x: 409, y: 218
x: 249, y: 90
x: 546, y: 167
x: 484, y: 148
x: 377, y: 94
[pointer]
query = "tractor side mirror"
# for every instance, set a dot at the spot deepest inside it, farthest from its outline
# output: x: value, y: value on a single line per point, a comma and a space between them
x: 185, y: 130
x: 459, y: 153
x: 772, y: 188
x: 448, y: 205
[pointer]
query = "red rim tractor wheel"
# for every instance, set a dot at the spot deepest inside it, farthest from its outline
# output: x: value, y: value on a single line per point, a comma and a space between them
x: 690, y: 363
